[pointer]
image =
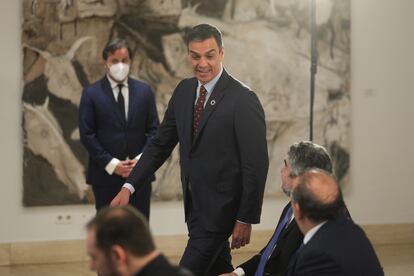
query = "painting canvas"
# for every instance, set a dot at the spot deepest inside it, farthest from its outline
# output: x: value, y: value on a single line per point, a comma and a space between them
x: 266, y: 46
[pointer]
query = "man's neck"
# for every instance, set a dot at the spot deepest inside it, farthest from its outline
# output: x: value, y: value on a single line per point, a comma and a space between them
x: 310, y: 229
x: 138, y: 263
x: 112, y: 80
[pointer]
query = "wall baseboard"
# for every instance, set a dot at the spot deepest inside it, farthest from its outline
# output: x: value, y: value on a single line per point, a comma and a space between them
x: 42, y: 252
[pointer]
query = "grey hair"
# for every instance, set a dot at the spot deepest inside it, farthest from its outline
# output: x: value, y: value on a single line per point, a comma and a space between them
x: 306, y: 155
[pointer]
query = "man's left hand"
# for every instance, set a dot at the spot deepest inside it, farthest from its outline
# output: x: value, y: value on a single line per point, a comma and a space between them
x: 241, y: 235
x: 130, y: 164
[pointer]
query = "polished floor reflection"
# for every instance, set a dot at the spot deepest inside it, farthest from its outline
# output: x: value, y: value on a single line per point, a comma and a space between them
x: 397, y: 260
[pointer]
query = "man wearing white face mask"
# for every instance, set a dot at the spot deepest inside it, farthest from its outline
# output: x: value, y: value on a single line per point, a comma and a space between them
x: 117, y: 117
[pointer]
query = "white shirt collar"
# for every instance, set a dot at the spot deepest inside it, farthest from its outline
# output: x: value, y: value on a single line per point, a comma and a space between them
x: 312, y: 232
x: 114, y: 84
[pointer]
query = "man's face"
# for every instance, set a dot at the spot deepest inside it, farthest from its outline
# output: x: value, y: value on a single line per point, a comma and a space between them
x: 205, y: 58
x: 287, y: 180
x: 120, y: 55
x: 99, y: 261
x: 117, y: 65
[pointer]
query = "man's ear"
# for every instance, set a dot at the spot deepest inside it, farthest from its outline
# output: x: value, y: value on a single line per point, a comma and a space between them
x: 296, y: 210
x: 118, y: 255
x: 105, y: 65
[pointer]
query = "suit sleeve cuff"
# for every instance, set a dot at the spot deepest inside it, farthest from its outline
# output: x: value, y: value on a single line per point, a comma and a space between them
x: 239, y: 271
x: 129, y: 187
x: 138, y: 156
x: 111, y: 166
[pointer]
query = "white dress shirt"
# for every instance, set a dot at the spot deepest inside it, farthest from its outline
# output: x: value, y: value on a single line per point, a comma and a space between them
x: 208, y: 86
x: 312, y: 232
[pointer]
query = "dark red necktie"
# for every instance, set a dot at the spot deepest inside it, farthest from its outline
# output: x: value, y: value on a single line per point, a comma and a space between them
x: 198, y: 109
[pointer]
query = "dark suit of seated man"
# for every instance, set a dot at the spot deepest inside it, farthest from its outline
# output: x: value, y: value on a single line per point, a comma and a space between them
x: 301, y: 156
x: 119, y: 243
x: 333, y: 244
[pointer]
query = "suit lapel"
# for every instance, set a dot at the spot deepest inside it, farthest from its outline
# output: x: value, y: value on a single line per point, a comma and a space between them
x: 284, y: 232
x: 189, y: 109
x: 133, y: 97
x: 106, y: 87
x: 213, y: 102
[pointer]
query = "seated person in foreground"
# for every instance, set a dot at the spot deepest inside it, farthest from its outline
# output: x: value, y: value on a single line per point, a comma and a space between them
x: 333, y: 244
x: 119, y: 243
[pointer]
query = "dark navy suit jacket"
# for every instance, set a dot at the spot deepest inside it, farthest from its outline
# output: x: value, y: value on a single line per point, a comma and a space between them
x: 161, y: 267
x: 107, y: 134
x: 338, y: 248
x: 289, y: 241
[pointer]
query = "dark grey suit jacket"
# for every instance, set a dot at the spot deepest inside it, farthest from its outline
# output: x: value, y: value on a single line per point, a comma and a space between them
x: 226, y: 162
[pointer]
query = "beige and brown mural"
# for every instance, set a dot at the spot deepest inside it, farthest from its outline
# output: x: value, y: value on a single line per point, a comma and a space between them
x: 266, y: 46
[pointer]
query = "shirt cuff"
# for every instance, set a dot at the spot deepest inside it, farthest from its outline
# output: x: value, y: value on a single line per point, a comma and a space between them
x: 242, y: 222
x: 239, y: 271
x: 138, y: 156
x: 111, y: 166
x: 129, y: 187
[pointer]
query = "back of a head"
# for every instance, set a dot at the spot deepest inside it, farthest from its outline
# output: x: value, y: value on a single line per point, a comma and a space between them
x: 306, y: 155
x: 318, y: 196
x: 202, y: 32
x: 123, y: 226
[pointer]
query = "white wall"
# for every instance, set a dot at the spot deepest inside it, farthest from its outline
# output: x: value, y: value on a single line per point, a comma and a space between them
x: 381, y: 189
x: 382, y: 111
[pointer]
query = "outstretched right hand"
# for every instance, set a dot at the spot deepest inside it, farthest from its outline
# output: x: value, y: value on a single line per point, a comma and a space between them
x: 122, y: 198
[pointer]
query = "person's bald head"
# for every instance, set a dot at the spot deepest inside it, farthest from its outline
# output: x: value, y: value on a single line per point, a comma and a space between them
x: 318, y: 196
x: 124, y: 226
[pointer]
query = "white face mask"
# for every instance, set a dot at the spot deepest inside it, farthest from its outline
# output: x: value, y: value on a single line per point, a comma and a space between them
x: 119, y: 71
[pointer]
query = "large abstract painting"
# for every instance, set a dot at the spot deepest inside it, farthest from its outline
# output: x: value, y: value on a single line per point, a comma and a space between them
x: 266, y: 46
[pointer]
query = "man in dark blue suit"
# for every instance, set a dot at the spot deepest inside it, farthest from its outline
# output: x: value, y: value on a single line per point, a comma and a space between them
x: 117, y: 117
x: 220, y: 125
x: 332, y: 244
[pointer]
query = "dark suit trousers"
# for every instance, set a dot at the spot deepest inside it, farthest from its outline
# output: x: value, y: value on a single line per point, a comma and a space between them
x: 140, y: 199
x: 206, y: 253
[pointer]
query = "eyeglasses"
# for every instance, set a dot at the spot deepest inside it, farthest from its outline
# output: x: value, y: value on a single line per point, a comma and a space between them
x: 284, y: 160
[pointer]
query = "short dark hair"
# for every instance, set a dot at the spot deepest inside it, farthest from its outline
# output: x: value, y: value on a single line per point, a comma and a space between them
x: 202, y: 32
x: 306, y: 155
x: 124, y: 226
x: 311, y: 205
x: 115, y: 44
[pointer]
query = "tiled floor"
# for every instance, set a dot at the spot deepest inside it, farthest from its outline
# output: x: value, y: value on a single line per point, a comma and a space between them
x: 397, y: 260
